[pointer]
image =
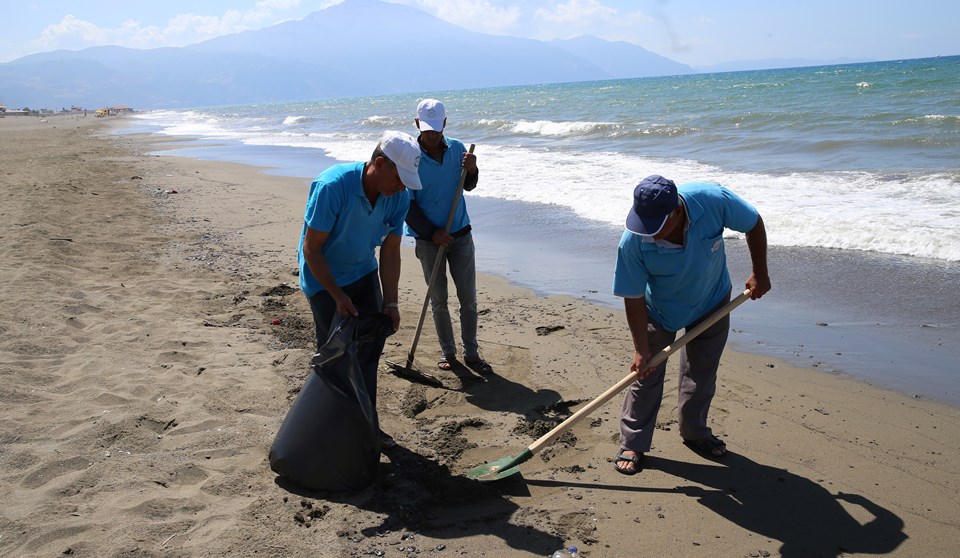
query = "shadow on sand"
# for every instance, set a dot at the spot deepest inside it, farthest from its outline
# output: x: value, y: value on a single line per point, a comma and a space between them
x: 497, y: 393
x: 416, y: 495
x: 804, y: 516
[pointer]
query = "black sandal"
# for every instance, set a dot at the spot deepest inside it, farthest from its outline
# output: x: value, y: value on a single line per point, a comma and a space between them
x: 635, y: 459
x: 710, y: 447
x: 479, y: 366
x: 446, y: 362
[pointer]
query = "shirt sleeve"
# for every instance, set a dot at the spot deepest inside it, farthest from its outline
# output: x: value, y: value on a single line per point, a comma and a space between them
x: 400, y: 213
x: 630, y: 275
x: 323, y: 205
x: 739, y: 215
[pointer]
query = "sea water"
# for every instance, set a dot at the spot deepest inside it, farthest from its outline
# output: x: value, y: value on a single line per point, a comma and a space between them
x: 854, y: 168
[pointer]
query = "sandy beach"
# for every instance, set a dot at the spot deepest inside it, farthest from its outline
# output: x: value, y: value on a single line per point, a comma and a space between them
x: 142, y: 380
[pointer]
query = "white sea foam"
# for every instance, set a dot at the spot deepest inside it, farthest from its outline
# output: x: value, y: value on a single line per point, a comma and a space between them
x: 191, y: 123
x: 292, y: 120
x: 550, y: 128
x: 495, y: 124
x: 858, y: 211
x: 357, y: 149
x: 378, y: 120
x: 916, y: 215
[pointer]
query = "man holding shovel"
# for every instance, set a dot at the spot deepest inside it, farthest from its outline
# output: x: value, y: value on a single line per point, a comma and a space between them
x: 672, y: 273
x: 443, y: 161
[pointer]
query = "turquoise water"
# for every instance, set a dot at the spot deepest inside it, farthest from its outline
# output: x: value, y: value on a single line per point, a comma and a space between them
x: 855, y: 169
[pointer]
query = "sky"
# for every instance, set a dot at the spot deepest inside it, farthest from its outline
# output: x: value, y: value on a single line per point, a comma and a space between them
x: 698, y: 33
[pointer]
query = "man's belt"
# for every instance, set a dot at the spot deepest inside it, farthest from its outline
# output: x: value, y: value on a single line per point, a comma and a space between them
x: 462, y: 232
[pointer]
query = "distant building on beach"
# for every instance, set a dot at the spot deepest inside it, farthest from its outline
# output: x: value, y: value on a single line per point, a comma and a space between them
x: 113, y: 111
x: 73, y: 110
x: 4, y: 111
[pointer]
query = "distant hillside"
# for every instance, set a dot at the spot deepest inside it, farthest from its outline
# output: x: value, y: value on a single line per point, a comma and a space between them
x: 620, y: 59
x: 358, y: 47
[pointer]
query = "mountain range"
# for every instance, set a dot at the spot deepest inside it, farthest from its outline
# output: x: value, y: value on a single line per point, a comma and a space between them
x: 356, y: 48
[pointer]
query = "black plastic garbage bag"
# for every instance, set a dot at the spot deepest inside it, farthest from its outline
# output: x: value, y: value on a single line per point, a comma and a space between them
x: 330, y: 438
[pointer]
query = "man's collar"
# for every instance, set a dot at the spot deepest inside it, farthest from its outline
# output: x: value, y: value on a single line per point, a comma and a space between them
x: 443, y: 143
x: 692, y: 207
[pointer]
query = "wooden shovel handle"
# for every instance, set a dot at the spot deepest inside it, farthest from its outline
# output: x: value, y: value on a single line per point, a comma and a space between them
x: 688, y: 336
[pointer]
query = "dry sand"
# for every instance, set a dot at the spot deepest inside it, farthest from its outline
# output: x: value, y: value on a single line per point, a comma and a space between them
x: 142, y: 382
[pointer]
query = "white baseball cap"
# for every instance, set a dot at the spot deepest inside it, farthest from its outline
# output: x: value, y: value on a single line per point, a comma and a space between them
x: 403, y: 150
x: 431, y: 114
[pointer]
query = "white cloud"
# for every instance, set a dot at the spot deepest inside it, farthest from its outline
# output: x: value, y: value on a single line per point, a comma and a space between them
x: 278, y: 4
x: 75, y: 30
x: 183, y: 29
x: 592, y: 17
x: 576, y: 11
x: 476, y: 15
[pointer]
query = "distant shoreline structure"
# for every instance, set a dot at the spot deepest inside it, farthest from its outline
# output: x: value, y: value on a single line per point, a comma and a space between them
x: 72, y: 111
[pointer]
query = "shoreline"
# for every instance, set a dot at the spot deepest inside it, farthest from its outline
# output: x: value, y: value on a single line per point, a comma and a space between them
x: 822, y: 313
x: 143, y: 382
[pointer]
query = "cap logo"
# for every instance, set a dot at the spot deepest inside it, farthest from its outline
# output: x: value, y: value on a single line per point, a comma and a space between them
x: 416, y: 162
x: 432, y: 112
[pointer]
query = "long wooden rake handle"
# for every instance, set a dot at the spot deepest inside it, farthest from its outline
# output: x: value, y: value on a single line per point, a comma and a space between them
x: 437, y: 263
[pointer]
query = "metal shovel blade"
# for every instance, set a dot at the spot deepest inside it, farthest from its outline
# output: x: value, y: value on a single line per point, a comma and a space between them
x: 499, y: 469
x: 414, y: 375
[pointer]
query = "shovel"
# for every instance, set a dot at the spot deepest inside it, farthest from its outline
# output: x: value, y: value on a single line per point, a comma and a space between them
x: 506, y: 466
x: 408, y: 371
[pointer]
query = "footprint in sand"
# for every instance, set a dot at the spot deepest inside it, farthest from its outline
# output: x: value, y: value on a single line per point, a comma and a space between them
x: 51, y: 471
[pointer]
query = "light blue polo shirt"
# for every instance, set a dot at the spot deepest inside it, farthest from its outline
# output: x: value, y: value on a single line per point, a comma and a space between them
x: 684, y: 283
x: 440, y: 182
x: 337, y: 205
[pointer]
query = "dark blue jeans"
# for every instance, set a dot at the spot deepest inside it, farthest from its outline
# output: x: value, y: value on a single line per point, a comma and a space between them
x: 367, y: 297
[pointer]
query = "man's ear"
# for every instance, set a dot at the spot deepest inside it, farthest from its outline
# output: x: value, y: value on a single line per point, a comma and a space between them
x: 416, y: 122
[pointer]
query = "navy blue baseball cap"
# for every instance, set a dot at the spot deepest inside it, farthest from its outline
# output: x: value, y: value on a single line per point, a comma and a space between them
x: 653, y: 200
